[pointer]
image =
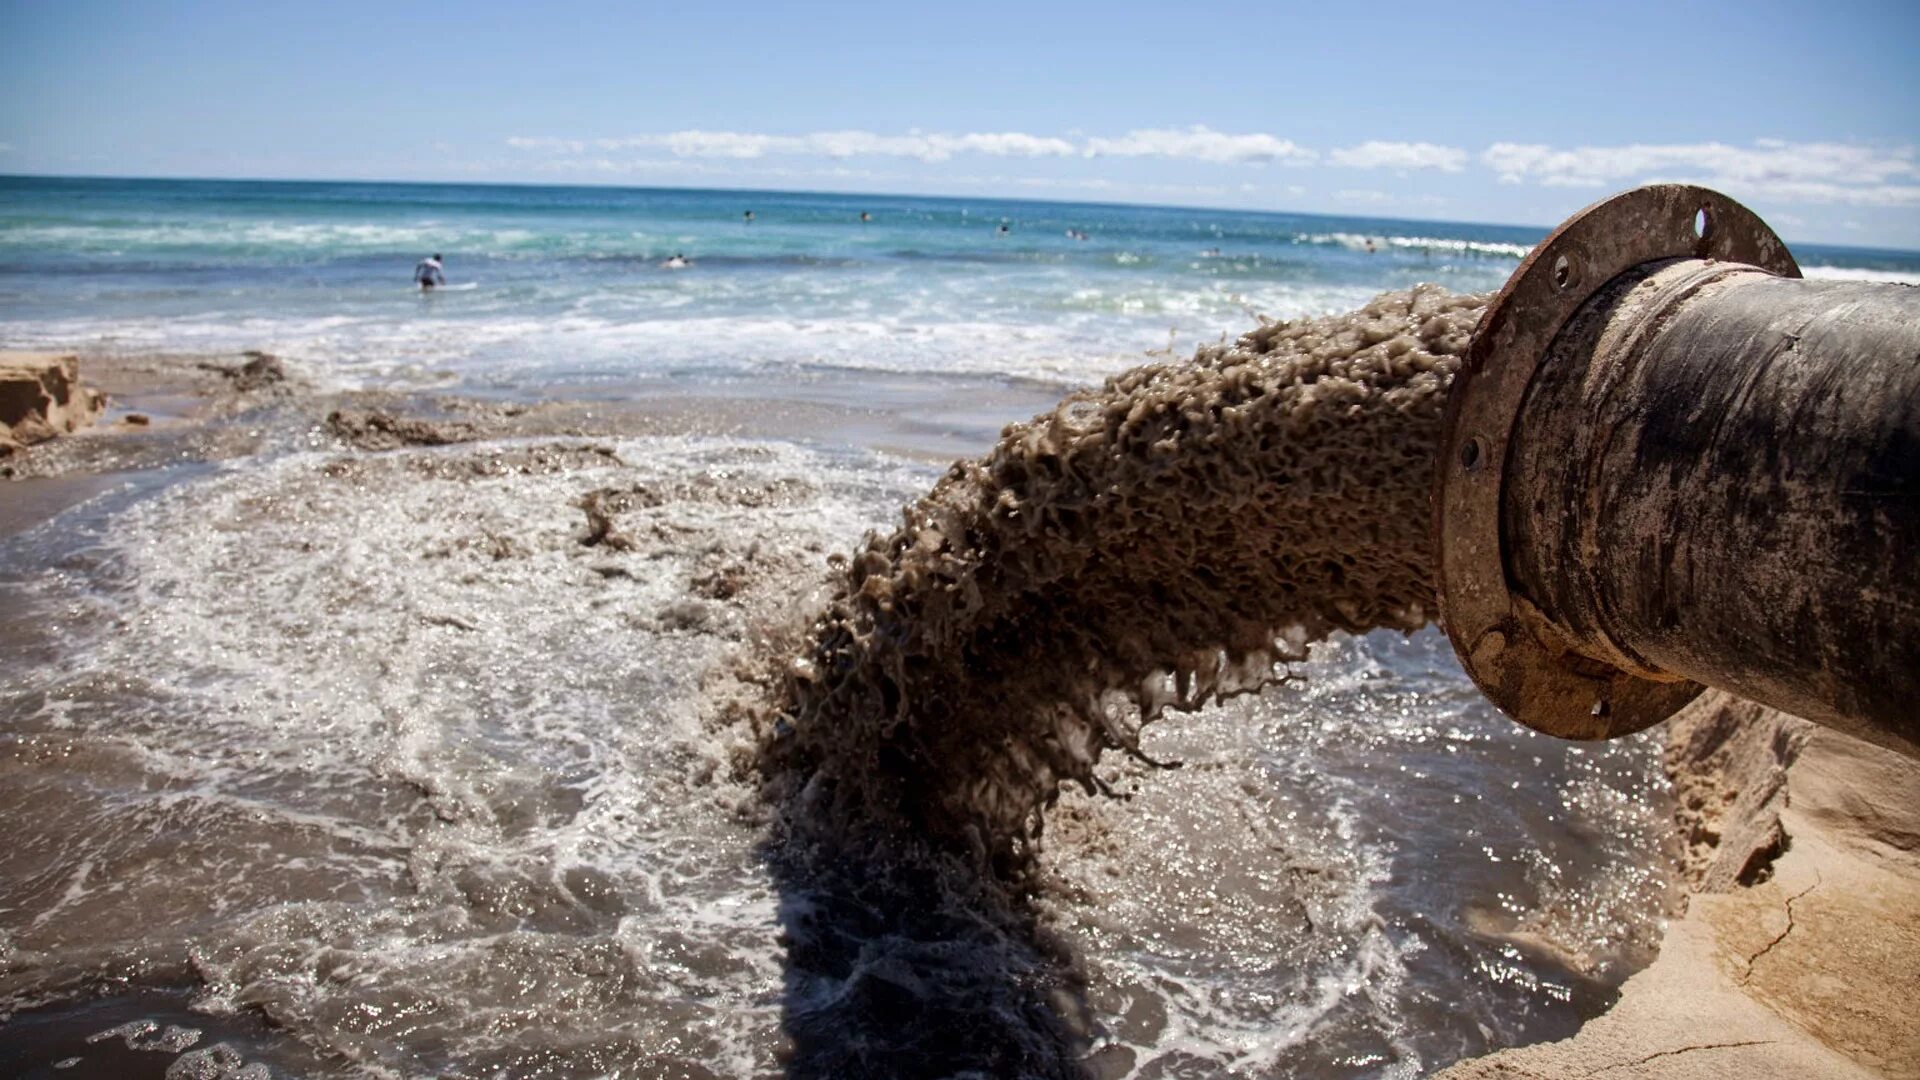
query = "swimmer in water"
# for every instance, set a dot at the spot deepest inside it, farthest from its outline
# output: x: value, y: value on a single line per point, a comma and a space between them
x: 1003, y: 230
x: 865, y: 217
x: 429, y: 273
x: 748, y: 216
x: 678, y: 262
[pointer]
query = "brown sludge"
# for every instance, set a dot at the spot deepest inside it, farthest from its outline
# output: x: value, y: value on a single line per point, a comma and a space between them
x: 1174, y: 537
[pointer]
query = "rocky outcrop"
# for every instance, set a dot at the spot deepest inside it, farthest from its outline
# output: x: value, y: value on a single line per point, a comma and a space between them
x: 41, y: 397
x: 1799, y: 954
x: 260, y: 373
x: 1728, y: 761
x: 374, y: 429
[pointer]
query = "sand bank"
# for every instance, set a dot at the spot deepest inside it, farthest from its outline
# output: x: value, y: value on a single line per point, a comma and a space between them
x: 1799, y: 955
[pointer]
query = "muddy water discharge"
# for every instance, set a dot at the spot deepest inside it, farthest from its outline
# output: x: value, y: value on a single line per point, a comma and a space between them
x: 1181, y: 536
x: 1172, y: 539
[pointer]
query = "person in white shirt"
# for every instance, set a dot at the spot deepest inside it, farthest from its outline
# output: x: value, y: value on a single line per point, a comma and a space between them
x: 428, y: 273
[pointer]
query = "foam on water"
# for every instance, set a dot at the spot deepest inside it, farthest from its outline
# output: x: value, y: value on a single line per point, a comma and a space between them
x: 380, y: 745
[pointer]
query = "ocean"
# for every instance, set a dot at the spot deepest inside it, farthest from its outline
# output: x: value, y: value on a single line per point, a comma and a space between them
x: 561, y: 290
x: 327, y: 762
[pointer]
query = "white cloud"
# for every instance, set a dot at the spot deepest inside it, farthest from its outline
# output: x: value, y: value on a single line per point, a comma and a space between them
x: 1769, y: 170
x: 547, y: 142
x: 1814, y: 172
x: 1193, y: 144
x: 745, y: 145
x: 1377, y: 154
x: 1381, y: 198
x: 1200, y: 143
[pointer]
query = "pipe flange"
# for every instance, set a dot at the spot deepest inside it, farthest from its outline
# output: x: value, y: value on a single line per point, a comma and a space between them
x: 1510, y: 652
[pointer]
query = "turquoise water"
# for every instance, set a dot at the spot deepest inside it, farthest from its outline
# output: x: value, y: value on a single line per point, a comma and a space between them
x: 564, y: 285
x: 558, y: 285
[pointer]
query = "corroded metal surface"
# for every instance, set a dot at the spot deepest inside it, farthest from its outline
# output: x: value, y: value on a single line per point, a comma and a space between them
x: 1716, y: 475
x: 1515, y: 656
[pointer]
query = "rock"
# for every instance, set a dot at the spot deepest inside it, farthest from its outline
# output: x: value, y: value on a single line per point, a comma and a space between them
x: 600, y: 506
x: 261, y: 372
x: 373, y: 429
x: 41, y: 397
x: 136, y: 419
x: 1861, y: 795
x: 1728, y: 759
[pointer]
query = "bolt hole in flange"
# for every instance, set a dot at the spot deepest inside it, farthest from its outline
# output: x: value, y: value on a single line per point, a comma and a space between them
x: 1565, y: 273
x: 1471, y: 453
x: 1702, y: 223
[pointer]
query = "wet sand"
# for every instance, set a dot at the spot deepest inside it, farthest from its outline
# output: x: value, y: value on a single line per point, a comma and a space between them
x: 192, y: 412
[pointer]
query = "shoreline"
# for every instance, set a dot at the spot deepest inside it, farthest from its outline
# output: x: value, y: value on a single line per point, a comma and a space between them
x: 196, y: 408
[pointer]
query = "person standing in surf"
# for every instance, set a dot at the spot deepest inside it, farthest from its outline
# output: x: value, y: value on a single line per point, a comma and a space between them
x: 429, y: 274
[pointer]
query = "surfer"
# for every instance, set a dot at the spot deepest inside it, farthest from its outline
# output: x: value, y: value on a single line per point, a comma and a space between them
x: 429, y: 273
x: 678, y: 262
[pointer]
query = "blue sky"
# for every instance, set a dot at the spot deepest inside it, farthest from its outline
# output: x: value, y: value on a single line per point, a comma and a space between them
x: 1485, y: 112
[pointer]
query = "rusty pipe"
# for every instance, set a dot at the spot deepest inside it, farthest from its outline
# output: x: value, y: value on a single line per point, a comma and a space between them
x: 1683, y: 466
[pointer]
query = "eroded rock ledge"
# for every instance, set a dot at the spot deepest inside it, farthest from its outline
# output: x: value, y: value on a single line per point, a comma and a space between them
x: 41, y: 397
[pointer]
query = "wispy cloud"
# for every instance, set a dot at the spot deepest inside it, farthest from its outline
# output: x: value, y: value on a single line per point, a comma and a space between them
x: 1193, y: 144
x: 1771, y: 170
x: 1382, y: 198
x: 1377, y: 154
x: 1200, y: 143
x: 744, y: 145
x: 1812, y: 172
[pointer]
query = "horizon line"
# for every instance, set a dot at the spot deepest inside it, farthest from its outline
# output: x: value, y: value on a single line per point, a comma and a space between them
x: 1544, y: 229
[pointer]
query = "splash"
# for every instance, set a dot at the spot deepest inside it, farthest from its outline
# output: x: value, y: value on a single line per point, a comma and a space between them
x: 1177, y: 537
